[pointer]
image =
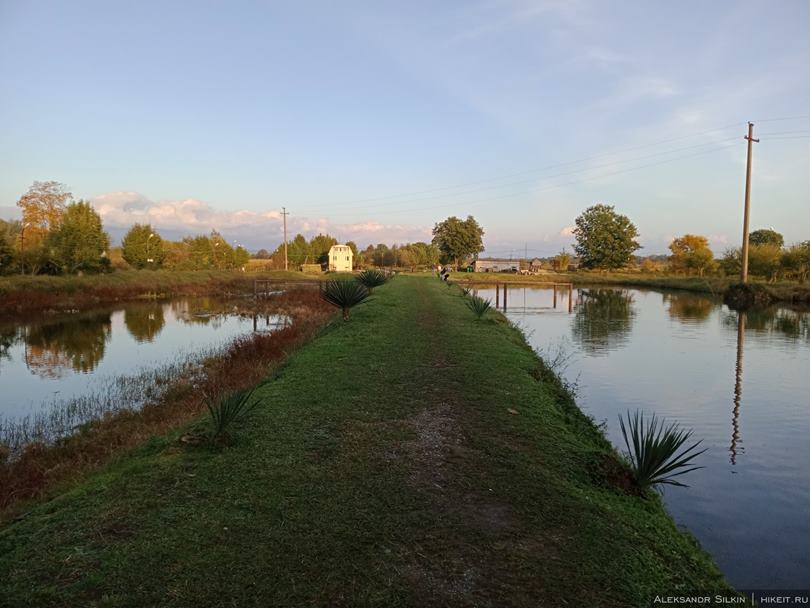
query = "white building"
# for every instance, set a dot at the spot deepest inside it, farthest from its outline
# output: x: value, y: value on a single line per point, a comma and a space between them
x: 340, y: 258
x: 494, y: 265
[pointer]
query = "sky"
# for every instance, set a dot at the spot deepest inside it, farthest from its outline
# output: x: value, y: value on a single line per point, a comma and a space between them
x: 373, y: 121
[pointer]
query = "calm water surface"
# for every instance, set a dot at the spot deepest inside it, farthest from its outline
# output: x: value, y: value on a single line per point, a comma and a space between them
x: 742, y: 382
x: 65, y: 357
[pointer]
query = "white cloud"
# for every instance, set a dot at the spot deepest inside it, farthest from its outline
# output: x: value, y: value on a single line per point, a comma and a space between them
x: 567, y: 231
x: 253, y: 228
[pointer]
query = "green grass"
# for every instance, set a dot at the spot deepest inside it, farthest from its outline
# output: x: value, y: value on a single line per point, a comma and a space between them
x: 409, y: 457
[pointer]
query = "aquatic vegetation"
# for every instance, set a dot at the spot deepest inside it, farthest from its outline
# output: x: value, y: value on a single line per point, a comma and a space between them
x: 656, y: 450
x: 372, y: 278
x: 479, y: 306
x: 344, y: 295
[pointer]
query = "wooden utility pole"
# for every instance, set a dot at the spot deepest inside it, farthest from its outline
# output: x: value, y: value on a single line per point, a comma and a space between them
x: 744, y: 256
x: 285, y: 214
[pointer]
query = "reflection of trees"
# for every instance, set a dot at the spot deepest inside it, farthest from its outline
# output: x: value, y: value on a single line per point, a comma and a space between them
x: 603, y: 319
x: 8, y: 338
x: 794, y: 324
x: 144, y: 321
x: 76, y: 343
x: 688, y: 307
x: 200, y: 311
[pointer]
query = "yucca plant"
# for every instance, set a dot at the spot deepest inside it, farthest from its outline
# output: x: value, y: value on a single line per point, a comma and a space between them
x: 344, y: 295
x: 227, y: 409
x: 656, y: 450
x: 466, y: 291
x: 479, y: 306
x: 372, y: 278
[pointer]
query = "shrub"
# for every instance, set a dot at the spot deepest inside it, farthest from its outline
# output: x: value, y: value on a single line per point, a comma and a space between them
x: 655, y: 450
x: 228, y: 409
x: 372, y: 278
x: 344, y: 294
x: 479, y: 306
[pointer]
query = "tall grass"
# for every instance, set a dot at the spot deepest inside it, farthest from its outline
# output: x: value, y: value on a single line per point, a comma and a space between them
x: 344, y: 295
x: 656, y: 450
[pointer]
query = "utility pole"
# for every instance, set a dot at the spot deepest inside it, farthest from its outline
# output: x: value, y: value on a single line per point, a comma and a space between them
x: 285, y: 214
x: 744, y: 255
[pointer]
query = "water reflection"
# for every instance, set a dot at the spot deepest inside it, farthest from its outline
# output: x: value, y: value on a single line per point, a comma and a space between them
x: 77, y: 344
x: 738, y: 374
x: 603, y: 319
x: 793, y: 324
x: 145, y: 321
x: 688, y: 307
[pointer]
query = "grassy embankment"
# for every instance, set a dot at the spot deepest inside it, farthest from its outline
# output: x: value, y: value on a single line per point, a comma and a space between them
x: 409, y: 457
x: 784, y: 291
x: 25, y: 294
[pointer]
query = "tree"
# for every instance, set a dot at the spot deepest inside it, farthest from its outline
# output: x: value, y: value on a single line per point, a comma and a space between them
x: 79, y: 241
x: 605, y: 239
x: 42, y: 207
x: 458, y: 239
x: 262, y: 254
x: 691, y: 252
x: 764, y: 261
x: 795, y: 261
x: 562, y: 260
x: 766, y: 236
x: 8, y: 233
x: 319, y: 248
x: 142, y: 247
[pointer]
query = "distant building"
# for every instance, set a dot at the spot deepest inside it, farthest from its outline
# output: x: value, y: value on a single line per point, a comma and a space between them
x: 340, y: 258
x: 497, y: 265
x: 536, y: 264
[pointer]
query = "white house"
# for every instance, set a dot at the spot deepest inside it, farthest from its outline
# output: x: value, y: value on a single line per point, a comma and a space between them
x: 340, y: 258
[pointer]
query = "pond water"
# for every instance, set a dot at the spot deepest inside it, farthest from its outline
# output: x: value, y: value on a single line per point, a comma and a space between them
x: 741, y: 381
x: 49, y: 364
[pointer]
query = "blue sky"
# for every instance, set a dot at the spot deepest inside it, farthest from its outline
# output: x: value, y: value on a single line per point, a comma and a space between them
x: 375, y: 120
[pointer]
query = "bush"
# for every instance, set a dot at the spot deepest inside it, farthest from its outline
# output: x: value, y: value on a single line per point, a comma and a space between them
x: 345, y: 295
x: 479, y: 306
x: 372, y: 278
x: 655, y: 450
x: 227, y: 410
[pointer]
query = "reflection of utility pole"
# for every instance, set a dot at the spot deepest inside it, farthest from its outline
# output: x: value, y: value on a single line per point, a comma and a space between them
x: 744, y: 255
x: 738, y: 373
x: 284, y: 215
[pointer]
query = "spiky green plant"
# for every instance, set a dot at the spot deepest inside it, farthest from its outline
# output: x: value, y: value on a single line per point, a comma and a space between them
x: 656, y: 450
x: 479, y: 306
x: 372, y: 278
x: 227, y: 409
x: 466, y: 291
x: 344, y: 295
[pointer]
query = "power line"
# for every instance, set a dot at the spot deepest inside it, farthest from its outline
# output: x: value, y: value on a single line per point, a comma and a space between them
x: 554, y: 186
x: 526, y: 172
x: 534, y: 180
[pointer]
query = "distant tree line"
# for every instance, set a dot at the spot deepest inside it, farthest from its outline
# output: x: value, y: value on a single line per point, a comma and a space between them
x: 58, y: 235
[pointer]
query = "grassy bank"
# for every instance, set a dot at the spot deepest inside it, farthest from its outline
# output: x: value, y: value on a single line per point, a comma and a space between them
x: 784, y: 291
x: 30, y: 294
x: 47, y: 455
x: 409, y: 457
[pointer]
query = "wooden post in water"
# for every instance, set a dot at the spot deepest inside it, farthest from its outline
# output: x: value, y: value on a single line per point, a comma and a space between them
x: 504, y: 297
x: 555, y: 295
x: 570, y: 298
x: 497, y: 296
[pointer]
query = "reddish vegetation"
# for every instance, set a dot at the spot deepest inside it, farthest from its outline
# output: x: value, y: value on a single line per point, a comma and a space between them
x: 72, y: 293
x: 243, y: 364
